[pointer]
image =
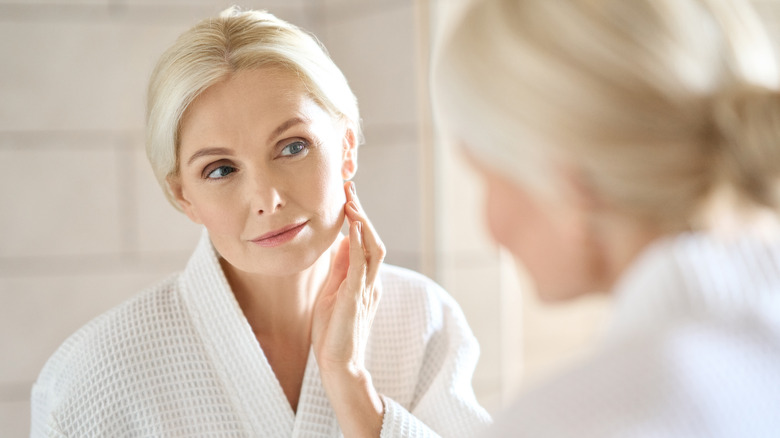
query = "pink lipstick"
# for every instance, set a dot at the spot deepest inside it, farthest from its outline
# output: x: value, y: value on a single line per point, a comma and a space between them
x: 280, y: 236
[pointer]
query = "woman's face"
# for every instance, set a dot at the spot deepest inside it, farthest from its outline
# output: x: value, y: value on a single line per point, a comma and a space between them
x: 261, y: 166
x: 553, y: 242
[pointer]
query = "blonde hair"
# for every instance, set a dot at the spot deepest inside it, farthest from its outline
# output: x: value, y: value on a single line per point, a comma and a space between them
x: 660, y: 103
x: 217, y: 47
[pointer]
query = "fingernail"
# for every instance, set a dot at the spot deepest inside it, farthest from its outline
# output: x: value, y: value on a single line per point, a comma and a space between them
x: 352, y: 188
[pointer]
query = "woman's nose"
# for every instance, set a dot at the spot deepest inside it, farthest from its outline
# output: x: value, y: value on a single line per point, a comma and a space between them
x: 265, y: 194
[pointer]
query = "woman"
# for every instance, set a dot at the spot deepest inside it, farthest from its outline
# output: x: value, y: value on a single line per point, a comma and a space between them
x: 275, y: 327
x: 633, y: 147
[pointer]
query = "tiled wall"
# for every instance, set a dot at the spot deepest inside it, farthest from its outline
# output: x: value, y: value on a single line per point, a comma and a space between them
x: 83, y: 224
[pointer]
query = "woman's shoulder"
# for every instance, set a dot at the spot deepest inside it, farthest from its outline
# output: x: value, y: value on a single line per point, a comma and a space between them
x: 681, y: 372
x: 407, y: 288
x: 115, y: 335
x: 415, y: 301
x: 419, y: 332
x: 408, y: 283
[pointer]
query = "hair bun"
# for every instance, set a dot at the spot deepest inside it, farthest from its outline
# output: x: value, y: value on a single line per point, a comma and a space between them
x: 747, y: 123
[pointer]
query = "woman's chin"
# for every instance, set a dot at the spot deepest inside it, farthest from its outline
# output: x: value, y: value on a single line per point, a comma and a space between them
x: 281, y: 264
x: 291, y: 259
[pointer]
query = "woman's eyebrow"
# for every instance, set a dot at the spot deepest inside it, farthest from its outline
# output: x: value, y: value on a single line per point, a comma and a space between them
x: 224, y: 151
x: 209, y: 151
x: 285, y: 126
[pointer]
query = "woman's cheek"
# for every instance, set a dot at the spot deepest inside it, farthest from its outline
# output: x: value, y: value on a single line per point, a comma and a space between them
x: 326, y: 200
x: 219, y: 212
x: 501, y: 220
x: 337, y: 206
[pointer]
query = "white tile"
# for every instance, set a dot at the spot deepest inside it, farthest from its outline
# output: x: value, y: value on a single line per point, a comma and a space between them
x: 78, y: 75
x: 293, y: 11
x: 246, y: 4
x: 39, y: 313
x: 15, y: 419
x: 408, y: 260
x: 357, y: 3
x: 387, y: 181
x: 59, y: 200
x: 351, y: 8
x: 189, y: 12
x: 477, y: 289
x: 376, y: 52
x: 514, y: 285
x: 44, y: 3
x: 89, y: 70
x: 462, y: 215
x: 555, y: 334
x: 160, y: 227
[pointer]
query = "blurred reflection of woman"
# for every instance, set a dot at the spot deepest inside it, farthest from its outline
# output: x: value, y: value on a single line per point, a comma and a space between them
x: 634, y: 147
x: 275, y: 328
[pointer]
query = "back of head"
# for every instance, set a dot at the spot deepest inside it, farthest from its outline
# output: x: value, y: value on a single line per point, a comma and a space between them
x: 662, y: 104
x: 217, y: 47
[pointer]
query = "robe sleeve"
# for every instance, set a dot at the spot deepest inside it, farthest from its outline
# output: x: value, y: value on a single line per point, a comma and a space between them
x: 42, y: 420
x: 444, y: 402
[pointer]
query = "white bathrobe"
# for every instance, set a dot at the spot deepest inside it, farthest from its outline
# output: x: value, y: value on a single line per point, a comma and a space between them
x: 693, y: 351
x: 180, y: 359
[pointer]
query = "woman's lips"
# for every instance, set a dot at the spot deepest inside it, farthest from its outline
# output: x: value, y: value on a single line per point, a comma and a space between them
x: 280, y: 236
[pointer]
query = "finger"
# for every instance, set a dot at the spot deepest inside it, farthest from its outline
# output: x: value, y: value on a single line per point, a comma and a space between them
x: 350, y: 190
x: 373, y: 243
x: 376, y: 293
x: 371, y: 297
x: 340, y: 261
x: 356, y: 274
x: 351, y: 194
x: 374, y: 247
x: 338, y: 267
x: 352, y: 197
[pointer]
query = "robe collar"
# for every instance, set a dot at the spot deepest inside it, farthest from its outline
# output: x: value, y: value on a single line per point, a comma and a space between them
x: 242, y: 366
x: 698, y: 275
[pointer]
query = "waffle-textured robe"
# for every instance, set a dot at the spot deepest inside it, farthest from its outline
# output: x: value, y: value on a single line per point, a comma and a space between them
x: 180, y: 359
x: 693, y: 351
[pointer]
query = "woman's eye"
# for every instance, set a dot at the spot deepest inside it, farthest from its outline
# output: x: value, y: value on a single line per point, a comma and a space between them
x: 293, y: 148
x: 220, y: 172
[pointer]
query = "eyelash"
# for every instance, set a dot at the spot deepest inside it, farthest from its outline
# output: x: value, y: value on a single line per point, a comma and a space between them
x: 208, y: 171
x: 304, y: 147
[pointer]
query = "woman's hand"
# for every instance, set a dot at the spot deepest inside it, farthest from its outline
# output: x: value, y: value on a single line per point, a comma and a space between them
x: 342, y: 321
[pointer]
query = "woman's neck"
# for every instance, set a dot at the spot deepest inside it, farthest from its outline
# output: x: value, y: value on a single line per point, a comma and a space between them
x: 279, y: 306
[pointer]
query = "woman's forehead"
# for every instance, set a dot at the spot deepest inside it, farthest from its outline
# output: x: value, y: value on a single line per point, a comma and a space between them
x: 256, y: 104
x: 267, y: 95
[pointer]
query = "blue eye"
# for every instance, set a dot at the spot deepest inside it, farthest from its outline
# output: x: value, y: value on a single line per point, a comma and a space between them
x: 293, y: 148
x: 221, y: 172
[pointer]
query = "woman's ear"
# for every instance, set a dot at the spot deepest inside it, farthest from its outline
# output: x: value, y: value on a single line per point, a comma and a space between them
x: 174, y: 185
x: 349, y: 154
